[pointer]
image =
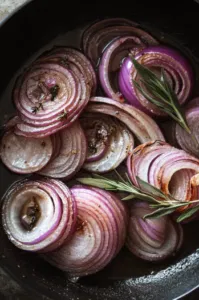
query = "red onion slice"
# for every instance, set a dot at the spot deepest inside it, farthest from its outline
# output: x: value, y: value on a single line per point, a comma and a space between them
x: 25, y: 155
x: 141, y: 125
x: 99, y: 37
x: 111, y: 139
x: 180, y: 185
x: 111, y: 61
x: 97, y: 131
x: 67, y: 56
x: 154, y: 239
x: 157, y: 57
x: 71, y: 155
x: 99, y: 235
x: 139, y: 163
x: 190, y: 142
x: 51, y: 95
x: 164, y: 167
x: 36, y: 215
x: 96, y: 26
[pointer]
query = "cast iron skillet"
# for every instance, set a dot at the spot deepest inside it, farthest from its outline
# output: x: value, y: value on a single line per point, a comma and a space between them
x: 127, y: 278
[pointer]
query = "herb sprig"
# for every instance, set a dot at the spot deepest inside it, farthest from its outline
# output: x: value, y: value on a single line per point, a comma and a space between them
x: 160, y: 93
x: 161, y: 203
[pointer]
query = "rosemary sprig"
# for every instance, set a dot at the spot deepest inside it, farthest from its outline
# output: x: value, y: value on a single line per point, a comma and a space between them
x: 160, y: 93
x: 161, y: 203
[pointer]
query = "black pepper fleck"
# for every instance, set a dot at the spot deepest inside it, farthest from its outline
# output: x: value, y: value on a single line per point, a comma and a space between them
x: 43, y: 144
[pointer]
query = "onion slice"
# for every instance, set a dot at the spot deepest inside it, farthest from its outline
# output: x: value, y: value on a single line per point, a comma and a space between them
x: 38, y: 216
x: 25, y: 155
x: 111, y: 61
x: 164, y: 167
x: 70, y: 155
x: 152, y: 239
x: 51, y: 94
x: 190, y: 142
x: 142, y: 126
x: 109, y: 142
x: 100, y: 34
x: 96, y: 26
x: 69, y: 56
x: 178, y: 70
x: 100, y: 233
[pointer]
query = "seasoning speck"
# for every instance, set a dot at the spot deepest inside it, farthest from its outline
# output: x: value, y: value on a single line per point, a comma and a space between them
x: 43, y: 144
x: 74, y: 151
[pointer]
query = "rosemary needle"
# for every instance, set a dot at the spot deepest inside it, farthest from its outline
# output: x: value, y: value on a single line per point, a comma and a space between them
x: 160, y: 93
x: 161, y: 203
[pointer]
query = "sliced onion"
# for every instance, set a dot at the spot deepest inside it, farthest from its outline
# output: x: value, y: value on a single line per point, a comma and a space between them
x: 190, y: 142
x: 70, y: 155
x: 152, y: 239
x: 111, y: 61
x: 58, y: 89
x: 164, y: 167
x: 100, y: 34
x: 96, y: 26
x: 25, y: 155
x: 100, y: 233
x: 139, y: 162
x: 38, y: 215
x: 69, y: 56
x: 157, y: 57
x: 109, y: 142
x: 141, y: 125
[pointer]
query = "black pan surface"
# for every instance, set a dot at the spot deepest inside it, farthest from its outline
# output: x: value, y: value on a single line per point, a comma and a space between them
x: 23, y: 37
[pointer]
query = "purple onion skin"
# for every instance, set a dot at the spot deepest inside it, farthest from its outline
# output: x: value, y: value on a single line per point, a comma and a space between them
x: 125, y: 82
x: 152, y: 240
x: 126, y: 86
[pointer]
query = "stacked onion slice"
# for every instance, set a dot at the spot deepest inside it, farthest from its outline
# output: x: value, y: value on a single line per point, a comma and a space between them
x: 98, y: 36
x: 140, y: 124
x: 152, y: 239
x: 111, y: 61
x: 178, y: 71
x: 189, y: 142
x: 100, y: 233
x: 25, y: 155
x: 53, y: 91
x: 164, y: 167
x: 39, y: 215
x: 70, y: 148
x: 109, y: 142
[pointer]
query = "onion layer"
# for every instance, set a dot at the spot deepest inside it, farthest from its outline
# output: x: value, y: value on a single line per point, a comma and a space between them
x: 100, y: 233
x: 109, y: 142
x: 141, y: 125
x: 164, y: 167
x: 39, y: 215
x: 111, y: 61
x: 177, y: 69
x: 25, y: 155
x: 71, y: 149
x: 51, y: 94
x: 190, y: 142
x: 152, y: 239
x: 100, y: 34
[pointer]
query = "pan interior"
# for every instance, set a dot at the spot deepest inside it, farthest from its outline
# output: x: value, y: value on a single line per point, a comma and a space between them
x: 24, y: 37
